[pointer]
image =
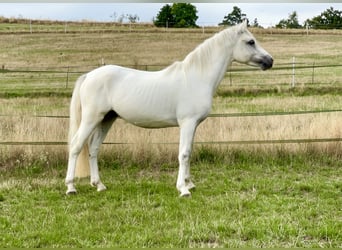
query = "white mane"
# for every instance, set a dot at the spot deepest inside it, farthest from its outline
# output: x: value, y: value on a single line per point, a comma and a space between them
x: 202, y: 54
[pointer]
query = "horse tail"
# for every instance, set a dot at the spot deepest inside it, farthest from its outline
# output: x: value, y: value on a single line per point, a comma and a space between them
x: 82, y: 165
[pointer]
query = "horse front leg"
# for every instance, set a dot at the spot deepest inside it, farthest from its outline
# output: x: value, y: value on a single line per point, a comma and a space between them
x: 187, y: 132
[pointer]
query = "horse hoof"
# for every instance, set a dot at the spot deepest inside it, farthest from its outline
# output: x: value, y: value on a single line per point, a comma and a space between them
x: 185, y: 194
x: 71, y: 192
x: 101, y: 187
x: 70, y: 189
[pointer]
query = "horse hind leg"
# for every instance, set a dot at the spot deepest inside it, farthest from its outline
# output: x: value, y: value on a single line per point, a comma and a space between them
x: 94, y: 143
x: 86, y: 128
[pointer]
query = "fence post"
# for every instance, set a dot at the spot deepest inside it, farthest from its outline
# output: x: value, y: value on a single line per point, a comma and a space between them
x: 313, y: 73
x: 67, y: 79
x: 293, y: 72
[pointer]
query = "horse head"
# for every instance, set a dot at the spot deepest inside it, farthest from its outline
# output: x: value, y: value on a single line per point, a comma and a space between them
x: 248, y: 51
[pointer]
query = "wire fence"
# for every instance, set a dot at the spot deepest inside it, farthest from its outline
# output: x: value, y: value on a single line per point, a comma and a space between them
x: 27, y: 26
x: 284, y: 74
x: 211, y: 116
x: 288, y: 141
x: 287, y: 74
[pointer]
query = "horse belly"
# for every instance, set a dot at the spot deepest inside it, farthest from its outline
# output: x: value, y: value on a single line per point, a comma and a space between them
x: 142, y: 118
x: 153, y: 123
x: 148, y: 111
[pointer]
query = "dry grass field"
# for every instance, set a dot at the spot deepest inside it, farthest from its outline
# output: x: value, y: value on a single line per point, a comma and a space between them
x: 24, y: 127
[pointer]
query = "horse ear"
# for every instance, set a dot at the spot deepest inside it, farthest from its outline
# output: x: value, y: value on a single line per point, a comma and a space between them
x: 242, y: 27
x: 244, y: 23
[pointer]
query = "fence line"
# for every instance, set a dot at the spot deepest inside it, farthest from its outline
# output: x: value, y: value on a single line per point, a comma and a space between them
x: 66, y: 71
x: 213, y: 115
x: 58, y: 70
x: 28, y: 26
x: 281, y: 141
x: 241, y: 142
x: 275, y: 113
x: 284, y: 69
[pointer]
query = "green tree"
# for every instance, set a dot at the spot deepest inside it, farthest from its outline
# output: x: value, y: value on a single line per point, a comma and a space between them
x: 290, y: 23
x: 185, y: 15
x: 178, y: 15
x: 234, y: 17
x: 329, y: 19
x: 164, y: 17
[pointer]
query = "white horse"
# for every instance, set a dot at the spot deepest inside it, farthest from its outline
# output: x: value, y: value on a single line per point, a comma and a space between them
x: 179, y: 95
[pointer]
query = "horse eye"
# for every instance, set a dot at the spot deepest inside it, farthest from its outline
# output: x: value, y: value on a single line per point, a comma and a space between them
x: 251, y: 42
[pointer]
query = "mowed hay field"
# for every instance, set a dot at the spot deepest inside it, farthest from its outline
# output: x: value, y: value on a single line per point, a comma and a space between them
x: 265, y: 193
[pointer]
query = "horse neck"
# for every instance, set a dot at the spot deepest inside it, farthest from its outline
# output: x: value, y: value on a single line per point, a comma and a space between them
x: 209, y: 61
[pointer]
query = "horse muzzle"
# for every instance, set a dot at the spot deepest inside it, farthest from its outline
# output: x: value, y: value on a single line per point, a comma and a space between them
x: 266, y: 62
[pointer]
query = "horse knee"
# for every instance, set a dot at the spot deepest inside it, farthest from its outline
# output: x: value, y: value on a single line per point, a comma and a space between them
x: 184, y: 156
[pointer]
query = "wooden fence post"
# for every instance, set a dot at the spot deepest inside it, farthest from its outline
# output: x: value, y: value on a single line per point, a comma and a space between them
x: 67, y: 78
x: 313, y: 73
x: 293, y: 72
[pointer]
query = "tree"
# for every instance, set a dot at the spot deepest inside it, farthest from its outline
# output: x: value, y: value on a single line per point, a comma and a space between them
x: 185, y: 15
x: 290, y: 23
x: 233, y: 18
x: 329, y: 19
x: 164, y: 17
x: 179, y: 15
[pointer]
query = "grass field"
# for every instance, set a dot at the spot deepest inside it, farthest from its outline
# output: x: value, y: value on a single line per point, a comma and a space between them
x: 242, y: 199
x: 247, y: 195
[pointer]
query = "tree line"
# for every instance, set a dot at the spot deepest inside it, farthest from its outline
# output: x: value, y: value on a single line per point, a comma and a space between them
x: 184, y: 15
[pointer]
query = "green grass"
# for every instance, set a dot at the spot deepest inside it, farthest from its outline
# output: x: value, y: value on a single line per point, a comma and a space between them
x: 242, y: 200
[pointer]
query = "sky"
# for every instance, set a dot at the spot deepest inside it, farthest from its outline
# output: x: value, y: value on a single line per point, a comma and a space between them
x: 210, y: 14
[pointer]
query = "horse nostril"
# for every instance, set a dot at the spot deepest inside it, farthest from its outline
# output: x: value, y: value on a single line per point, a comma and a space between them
x: 268, y: 62
x: 271, y: 61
